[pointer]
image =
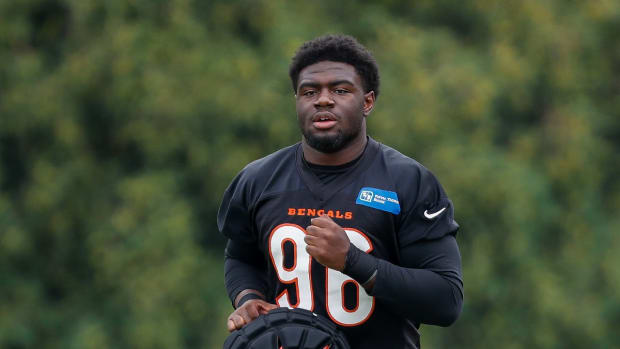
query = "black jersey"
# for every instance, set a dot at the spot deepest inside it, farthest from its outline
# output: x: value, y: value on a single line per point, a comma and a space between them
x: 385, y: 201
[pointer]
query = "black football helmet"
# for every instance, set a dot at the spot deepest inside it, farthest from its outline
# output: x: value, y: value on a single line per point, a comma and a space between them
x: 285, y: 328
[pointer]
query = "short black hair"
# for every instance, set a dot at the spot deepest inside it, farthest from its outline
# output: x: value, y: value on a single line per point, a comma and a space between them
x: 337, y: 48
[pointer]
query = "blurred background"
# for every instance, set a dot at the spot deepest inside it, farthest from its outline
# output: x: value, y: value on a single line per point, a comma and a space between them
x: 123, y: 121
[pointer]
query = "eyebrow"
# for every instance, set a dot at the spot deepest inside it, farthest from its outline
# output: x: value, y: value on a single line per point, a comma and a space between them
x: 331, y: 83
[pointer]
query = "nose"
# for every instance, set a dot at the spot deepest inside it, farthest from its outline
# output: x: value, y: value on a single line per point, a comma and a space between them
x: 324, y: 99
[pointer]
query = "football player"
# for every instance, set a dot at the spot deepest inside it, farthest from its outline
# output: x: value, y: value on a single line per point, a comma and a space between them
x: 340, y: 224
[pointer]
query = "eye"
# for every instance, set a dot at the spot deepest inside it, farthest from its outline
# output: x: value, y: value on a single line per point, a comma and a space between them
x: 341, y: 91
x: 309, y: 93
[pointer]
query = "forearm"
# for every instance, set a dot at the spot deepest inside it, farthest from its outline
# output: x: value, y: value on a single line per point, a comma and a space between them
x: 428, y: 288
x: 244, y: 272
x: 240, y: 276
x: 422, y: 296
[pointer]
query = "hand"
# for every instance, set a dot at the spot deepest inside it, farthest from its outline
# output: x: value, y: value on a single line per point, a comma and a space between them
x: 247, y: 312
x: 327, y: 242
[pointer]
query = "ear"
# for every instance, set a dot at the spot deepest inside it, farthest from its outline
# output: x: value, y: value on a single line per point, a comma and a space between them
x: 369, y: 102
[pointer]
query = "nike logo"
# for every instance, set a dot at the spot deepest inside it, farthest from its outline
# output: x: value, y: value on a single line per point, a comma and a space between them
x: 433, y: 215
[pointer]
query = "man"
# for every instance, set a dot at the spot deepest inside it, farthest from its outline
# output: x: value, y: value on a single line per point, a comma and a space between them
x: 340, y: 224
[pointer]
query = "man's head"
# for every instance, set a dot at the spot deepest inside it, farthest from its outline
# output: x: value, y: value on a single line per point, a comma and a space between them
x: 336, y: 81
x: 337, y: 48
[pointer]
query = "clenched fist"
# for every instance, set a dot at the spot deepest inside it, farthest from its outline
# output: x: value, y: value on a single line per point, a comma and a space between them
x: 327, y: 242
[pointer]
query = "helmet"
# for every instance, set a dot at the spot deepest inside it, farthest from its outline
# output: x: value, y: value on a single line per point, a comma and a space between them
x: 285, y: 328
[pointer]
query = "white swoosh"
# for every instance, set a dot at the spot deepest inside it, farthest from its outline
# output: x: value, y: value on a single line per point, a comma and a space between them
x: 433, y: 215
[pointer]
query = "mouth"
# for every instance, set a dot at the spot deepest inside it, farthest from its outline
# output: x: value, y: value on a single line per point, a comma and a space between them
x: 324, y: 121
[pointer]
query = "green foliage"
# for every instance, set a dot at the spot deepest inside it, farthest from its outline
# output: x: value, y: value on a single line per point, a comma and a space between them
x: 122, y: 122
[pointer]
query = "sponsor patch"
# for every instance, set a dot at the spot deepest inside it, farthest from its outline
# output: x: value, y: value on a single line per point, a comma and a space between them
x: 383, y: 200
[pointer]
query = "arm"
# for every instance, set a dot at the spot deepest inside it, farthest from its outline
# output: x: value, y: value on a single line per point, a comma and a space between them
x: 244, y: 268
x: 246, y: 284
x: 427, y: 288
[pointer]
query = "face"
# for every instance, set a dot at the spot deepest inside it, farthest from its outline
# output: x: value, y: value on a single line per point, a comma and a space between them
x: 332, y: 106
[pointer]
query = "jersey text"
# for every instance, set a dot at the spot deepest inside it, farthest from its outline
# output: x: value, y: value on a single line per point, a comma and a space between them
x: 313, y: 212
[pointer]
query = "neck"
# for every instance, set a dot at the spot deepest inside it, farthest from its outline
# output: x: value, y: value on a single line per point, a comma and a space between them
x: 342, y: 156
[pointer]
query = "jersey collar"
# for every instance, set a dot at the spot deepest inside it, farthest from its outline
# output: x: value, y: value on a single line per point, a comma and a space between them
x: 324, y: 192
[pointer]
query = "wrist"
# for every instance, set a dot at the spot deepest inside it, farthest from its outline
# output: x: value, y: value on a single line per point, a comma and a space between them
x: 361, y: 266
x: 247, y: 295
x: 346, y: 257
